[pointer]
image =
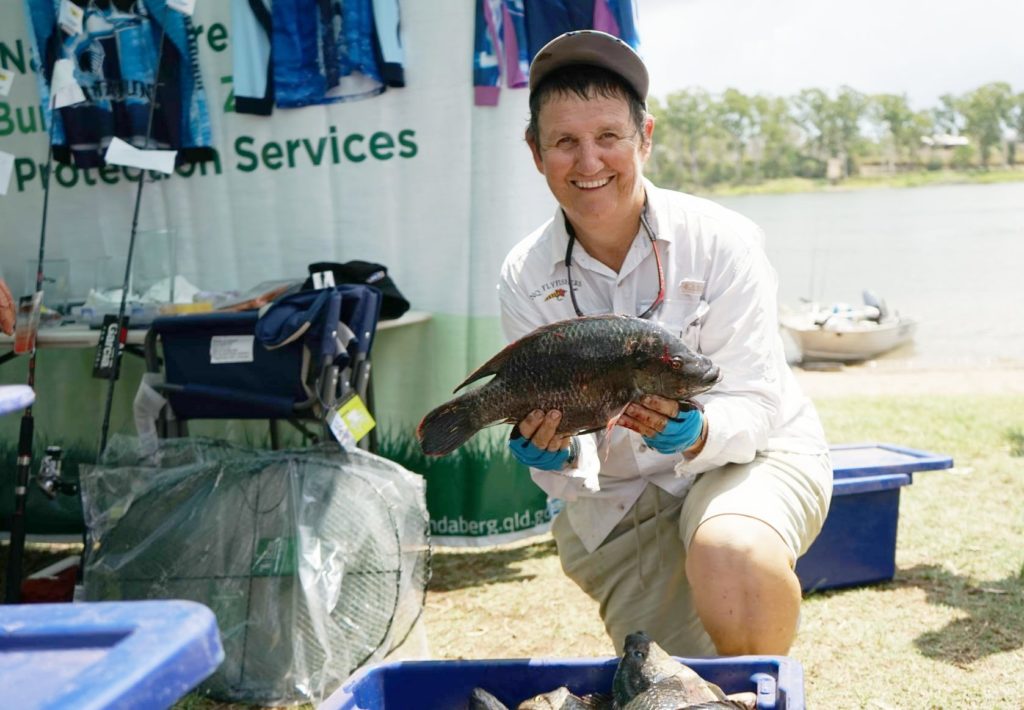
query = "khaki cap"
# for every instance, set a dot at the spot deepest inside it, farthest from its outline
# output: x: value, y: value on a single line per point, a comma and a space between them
x: 591, y: 47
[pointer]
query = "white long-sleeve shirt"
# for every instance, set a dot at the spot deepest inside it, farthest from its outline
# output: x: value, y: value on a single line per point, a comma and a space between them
x: 720, y: 297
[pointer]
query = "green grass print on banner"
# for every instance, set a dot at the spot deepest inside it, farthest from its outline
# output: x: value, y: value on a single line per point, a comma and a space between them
x: 478, y: 490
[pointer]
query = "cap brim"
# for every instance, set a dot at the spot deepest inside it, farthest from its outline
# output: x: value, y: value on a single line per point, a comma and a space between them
x: 594, y: 48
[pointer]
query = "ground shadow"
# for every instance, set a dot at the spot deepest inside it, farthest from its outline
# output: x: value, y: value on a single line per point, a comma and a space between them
x: 459, y: 570
x: 995, y: 621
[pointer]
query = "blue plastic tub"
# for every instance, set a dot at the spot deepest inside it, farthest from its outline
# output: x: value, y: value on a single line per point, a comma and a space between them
x: 446, y: 685
x: 141, y: 654
x: 857, y: 544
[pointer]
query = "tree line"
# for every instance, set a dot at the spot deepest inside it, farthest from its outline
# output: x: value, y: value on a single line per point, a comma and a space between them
x: 704, y: 139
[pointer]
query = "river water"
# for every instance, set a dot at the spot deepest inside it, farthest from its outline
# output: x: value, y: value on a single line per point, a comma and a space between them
x: 950, y: 256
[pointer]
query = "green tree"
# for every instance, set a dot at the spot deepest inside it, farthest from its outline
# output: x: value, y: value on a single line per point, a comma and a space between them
x: 688, y: 116
x: 734, y: 115
x: 899, y: 124
x: 986, y: 111
x: 1016, y: 121
x: 946, y: 117
x: 774, y: 137
x: 832, y: 126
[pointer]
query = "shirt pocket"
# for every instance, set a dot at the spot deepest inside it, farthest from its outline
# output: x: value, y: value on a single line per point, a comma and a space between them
x: 683, y: 317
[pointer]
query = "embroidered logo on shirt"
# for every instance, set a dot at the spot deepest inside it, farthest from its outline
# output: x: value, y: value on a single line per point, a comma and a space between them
x: 554, y: 290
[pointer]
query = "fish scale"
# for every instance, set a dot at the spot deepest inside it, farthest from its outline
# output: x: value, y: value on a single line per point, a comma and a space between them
x: 587, y: 368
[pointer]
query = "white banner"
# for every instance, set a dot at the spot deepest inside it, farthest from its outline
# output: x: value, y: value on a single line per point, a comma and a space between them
x: 416, y: 178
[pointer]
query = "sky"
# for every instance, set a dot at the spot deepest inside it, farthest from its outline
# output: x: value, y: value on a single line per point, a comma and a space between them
x: 914, y: 47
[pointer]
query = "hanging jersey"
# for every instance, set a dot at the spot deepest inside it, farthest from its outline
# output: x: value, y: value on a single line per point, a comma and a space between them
x: 546, y: 19
x: 117, y: 56
x: 388, y: 36
x: 253, y: 80
x: 500, y: 49
x: 509, y: 33
x: 296, y: 53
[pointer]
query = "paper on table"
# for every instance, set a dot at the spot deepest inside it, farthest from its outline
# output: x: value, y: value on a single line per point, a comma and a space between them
x: 6, y: 79
x: 121, y: 153
x: 6, y: 166
x: 64, y: 90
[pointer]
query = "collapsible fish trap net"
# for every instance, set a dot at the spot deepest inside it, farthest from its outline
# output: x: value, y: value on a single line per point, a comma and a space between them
x: 315, y: 562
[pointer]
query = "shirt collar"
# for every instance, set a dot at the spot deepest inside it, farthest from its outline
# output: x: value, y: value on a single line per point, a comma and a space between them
x: 558, y: 240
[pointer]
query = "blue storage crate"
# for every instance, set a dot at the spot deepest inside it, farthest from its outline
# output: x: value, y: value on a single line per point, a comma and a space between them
x: 89, y: 656
x: 446, y: 685
x: 857, y: 544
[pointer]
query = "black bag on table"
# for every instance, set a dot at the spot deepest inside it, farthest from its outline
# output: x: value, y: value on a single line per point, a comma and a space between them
x: 364, y: 272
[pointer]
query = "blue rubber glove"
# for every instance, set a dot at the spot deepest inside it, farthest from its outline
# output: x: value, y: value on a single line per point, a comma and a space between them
x: 679, y: 434
x: 528, y: 454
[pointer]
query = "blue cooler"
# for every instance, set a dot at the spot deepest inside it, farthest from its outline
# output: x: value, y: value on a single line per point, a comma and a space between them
x: 446, y: 685
x: 98, y: 655
x: 857, y: 544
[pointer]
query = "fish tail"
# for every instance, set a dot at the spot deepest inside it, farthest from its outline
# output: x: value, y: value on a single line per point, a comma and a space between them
x: 447, y: 427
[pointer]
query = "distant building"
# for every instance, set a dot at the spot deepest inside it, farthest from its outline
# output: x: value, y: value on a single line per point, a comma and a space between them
x: 944, y: 140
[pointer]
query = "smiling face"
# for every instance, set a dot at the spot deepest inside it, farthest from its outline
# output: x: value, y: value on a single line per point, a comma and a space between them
x: 592, y: 156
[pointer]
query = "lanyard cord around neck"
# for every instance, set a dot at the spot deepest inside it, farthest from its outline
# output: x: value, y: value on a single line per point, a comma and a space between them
x: 571, y: 231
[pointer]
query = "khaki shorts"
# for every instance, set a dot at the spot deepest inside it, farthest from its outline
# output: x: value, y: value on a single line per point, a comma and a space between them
x: 638, y: 575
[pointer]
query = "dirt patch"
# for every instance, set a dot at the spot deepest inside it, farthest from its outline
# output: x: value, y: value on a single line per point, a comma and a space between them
x: 889, y: 378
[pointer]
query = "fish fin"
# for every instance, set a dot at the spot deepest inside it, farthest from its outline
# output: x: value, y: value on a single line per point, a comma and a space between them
x: 447, y: 427
x: 608, y: 431
x: 494, y: 365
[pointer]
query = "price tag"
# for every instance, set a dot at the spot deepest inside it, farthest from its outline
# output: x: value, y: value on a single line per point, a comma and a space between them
x: 350, y: 422
x: 185, y: 7
x: 6, y: 168
x: 6, y: 79
x: 64, y: 90
x: 70, y: 17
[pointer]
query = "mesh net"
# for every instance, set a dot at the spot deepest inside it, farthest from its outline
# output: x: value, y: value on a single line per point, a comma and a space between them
x: 315, y: 562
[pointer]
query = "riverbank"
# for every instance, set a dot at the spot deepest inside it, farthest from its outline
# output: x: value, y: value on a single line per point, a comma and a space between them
x: 920, y: 178
x: 894, y: 377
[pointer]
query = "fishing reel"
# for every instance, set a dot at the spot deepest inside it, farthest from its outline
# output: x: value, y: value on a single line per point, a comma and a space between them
x: 49, y: 477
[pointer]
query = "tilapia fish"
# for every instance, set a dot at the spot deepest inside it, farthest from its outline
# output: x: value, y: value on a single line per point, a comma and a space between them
x: 647, y: 678
x: 588, y: 368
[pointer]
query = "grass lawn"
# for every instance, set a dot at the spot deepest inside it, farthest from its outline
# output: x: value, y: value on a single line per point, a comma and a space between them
x: 947, y: 632
x: 911, y: 179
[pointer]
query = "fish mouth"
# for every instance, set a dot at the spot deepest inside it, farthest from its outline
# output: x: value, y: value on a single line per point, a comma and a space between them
x: 702, y: 376
x: 711, y: 377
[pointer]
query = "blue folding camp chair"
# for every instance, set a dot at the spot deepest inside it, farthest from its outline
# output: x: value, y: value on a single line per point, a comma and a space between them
x: 293, y: 360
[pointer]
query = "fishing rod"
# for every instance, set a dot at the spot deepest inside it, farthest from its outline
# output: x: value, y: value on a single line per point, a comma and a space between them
x: 26, y: 433
x: 119, y: 323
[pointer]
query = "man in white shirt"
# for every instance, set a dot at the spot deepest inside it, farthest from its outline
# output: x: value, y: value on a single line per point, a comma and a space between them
x: 687, y: 522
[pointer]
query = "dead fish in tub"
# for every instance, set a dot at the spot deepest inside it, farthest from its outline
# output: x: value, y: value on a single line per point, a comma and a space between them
x: 557, y: 699
x: 646, y: 678
x: 588, y: 368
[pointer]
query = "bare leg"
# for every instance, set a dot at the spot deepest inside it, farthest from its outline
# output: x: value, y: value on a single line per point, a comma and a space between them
x: 744, y: 587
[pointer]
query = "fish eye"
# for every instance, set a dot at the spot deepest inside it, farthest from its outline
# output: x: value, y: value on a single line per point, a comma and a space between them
x: 676, y: 364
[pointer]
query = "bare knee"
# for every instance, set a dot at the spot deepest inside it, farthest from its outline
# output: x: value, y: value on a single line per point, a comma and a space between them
x: 744, y: 587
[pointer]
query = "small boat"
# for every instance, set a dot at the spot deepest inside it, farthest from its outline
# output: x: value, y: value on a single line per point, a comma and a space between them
x: 845, y: 333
